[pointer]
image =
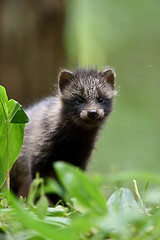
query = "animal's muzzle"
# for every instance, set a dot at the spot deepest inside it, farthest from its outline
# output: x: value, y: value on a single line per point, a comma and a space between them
x: 92, y: 114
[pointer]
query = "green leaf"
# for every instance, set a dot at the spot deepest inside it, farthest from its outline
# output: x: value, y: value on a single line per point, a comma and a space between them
x: 78, y: 185
x: 33, y: 191
x: 16, y: 134
x: 58, y: 211
x: 10, y: 106
x: 18, y: 115
x: 53, y: 229
x: 13, y: 119
x: 42, y: 206
x: 3, y: 98
x: 122, y: 199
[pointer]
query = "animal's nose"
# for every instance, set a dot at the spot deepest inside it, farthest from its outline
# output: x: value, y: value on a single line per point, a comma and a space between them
x: 92, y: 114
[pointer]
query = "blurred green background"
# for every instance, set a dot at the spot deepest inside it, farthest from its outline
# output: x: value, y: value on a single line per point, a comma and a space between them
x: 120, y: 33
x: 126, y: 36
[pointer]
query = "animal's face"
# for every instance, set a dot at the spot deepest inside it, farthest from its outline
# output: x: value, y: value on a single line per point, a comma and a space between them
x: 87, y: 95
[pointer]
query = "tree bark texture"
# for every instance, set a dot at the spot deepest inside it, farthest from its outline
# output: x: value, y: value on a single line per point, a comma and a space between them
x: 31, y: 47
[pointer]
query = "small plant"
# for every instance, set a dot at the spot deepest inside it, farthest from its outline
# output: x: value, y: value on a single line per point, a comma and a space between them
x: 13, y: 120
x: 86, y: 214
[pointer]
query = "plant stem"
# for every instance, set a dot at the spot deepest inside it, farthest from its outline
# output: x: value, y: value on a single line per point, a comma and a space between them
x: 137, y: 193
x: 7, y: 171
x: 139, y: 197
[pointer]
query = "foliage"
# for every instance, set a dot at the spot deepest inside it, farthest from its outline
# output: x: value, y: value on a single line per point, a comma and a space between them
x: 86, y: 214
x: 13, y: 120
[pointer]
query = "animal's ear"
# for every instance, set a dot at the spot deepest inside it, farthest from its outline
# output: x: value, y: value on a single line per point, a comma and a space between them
x: 64, y: 78
x: 109, y: 75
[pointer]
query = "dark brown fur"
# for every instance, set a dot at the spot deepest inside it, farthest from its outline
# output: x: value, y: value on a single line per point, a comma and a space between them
x: 64, y: 127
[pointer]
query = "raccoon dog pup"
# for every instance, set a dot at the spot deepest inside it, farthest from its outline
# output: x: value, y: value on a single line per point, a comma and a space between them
x: 64, y: 127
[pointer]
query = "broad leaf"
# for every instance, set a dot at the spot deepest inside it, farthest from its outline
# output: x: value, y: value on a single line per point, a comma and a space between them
x: 121, y: 199
x: 81, y: 187
x: 12, y: 123
x: 18, y: 115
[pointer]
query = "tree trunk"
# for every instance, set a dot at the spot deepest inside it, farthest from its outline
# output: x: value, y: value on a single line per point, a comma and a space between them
x: 31, y: 47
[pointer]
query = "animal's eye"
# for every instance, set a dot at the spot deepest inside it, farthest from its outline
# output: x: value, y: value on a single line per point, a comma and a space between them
x: 80, y: 100
x: 100, y: 99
